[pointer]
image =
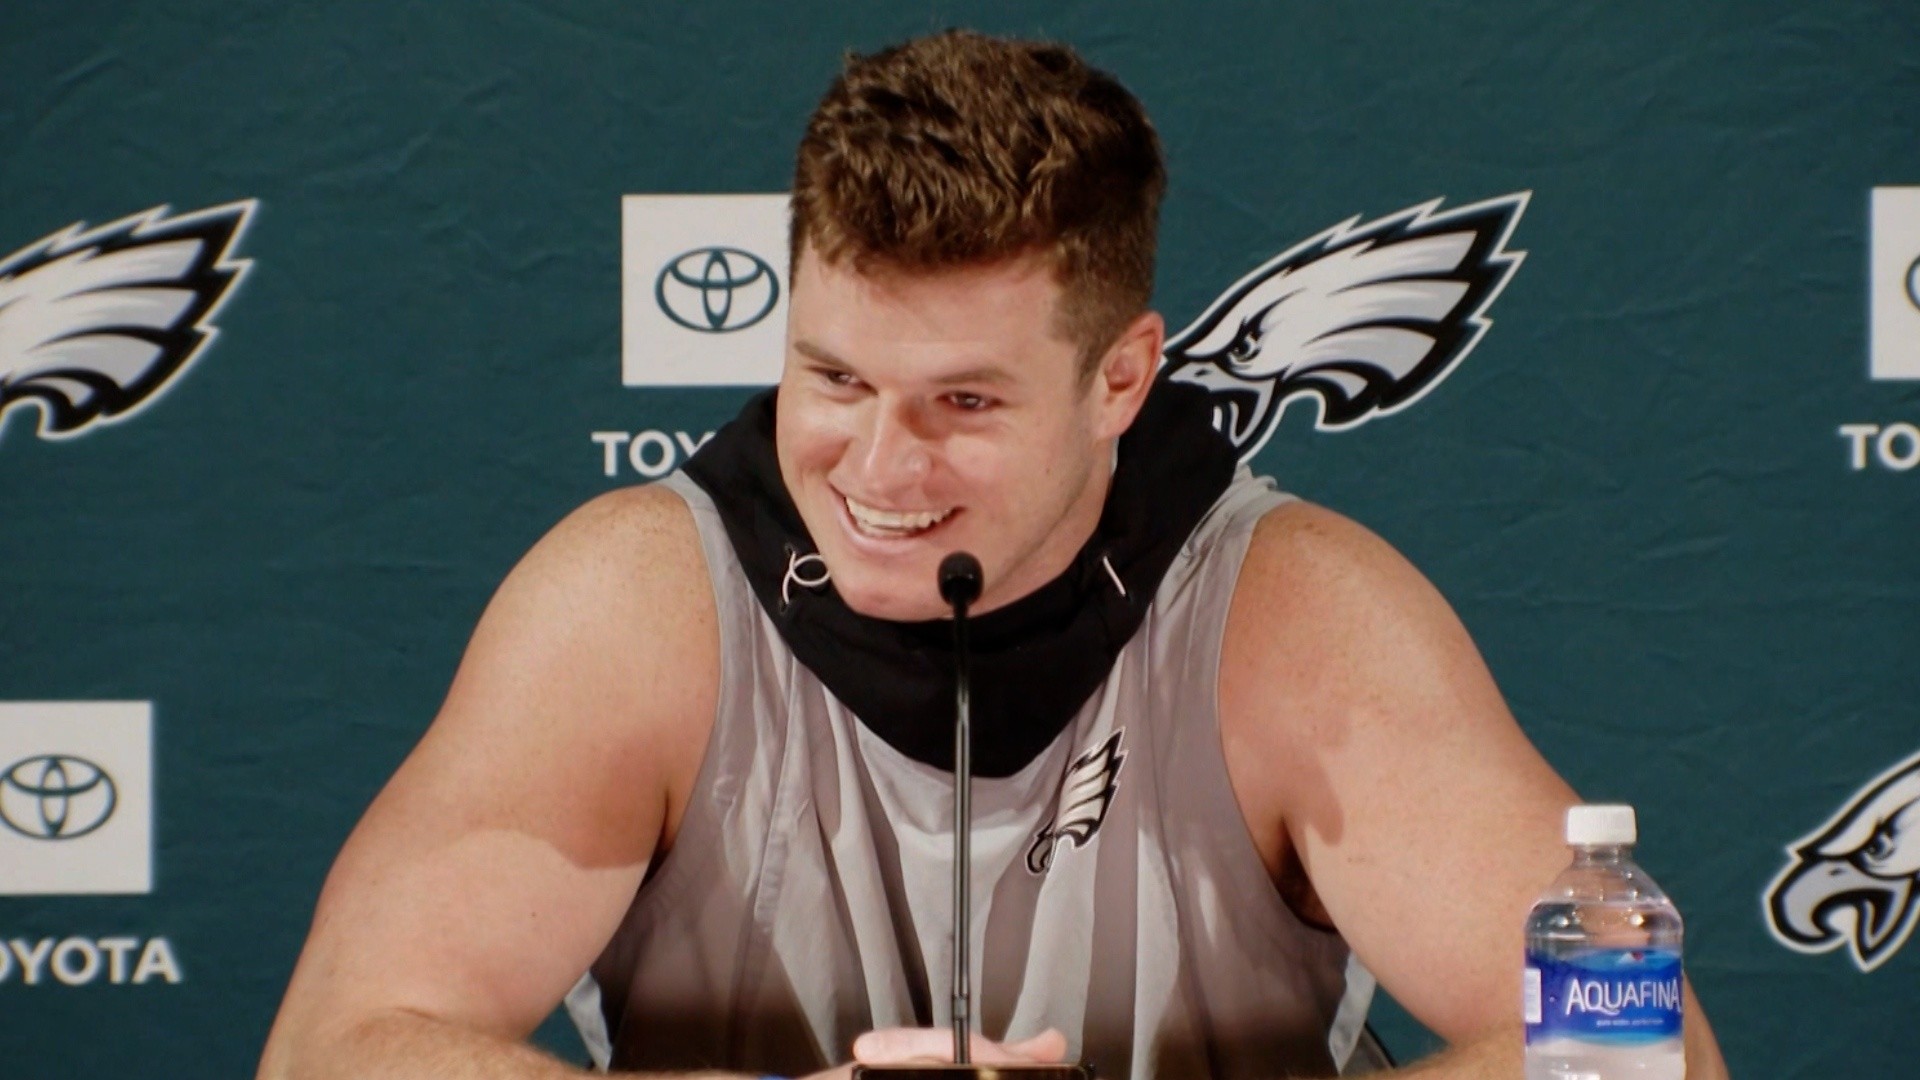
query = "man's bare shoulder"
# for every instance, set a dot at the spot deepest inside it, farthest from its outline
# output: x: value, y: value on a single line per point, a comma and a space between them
x: 1316, y: 584
x: 1325, y: 615
x: 1364, y: 645
x: 626, y: 542
x: 615, y: 600
x: 601, y: 649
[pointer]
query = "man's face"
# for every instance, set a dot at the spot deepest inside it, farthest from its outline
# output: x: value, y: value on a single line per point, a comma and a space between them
x: 922, y: 414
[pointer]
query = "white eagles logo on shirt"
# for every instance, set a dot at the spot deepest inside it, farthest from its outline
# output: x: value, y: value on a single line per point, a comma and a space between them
x: 1364, y: 318
x: 1855, y: 881
x: 96, y: 323
x: 1085, y: 794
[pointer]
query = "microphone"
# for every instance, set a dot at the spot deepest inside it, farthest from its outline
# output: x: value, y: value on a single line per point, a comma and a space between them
x: 959, y: 582
x: 960, y: 587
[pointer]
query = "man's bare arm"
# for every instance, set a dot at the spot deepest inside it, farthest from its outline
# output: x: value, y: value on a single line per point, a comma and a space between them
x: 1499, y: 1053
x: 1425, y: 820
x: 497, y: 862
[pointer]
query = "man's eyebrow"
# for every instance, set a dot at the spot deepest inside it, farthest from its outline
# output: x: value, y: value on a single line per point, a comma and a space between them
x: 989, y: 375
x: 814, y: 352
x: 985, y: 374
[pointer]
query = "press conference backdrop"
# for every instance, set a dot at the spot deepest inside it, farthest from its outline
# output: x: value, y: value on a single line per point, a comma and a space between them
x: 314, y: 317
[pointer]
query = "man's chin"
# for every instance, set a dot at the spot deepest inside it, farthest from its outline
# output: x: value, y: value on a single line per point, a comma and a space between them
x: 894, y: 602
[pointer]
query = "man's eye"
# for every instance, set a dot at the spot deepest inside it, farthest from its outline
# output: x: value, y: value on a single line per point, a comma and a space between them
x: 838, y: 378
x: 968, y: 402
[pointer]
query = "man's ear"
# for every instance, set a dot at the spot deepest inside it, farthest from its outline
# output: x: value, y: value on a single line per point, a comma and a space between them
x: 1125, y: 374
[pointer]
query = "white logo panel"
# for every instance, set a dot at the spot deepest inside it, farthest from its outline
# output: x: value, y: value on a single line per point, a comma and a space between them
x: 1894, y: 296
x: 76, y: 797
x: 703, y: 289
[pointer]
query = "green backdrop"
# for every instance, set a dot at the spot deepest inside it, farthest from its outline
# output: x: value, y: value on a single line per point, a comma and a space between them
x: 1635, y: 490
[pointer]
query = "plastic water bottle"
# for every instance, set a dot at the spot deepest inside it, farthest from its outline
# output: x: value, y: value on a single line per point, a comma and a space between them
x: 1601, y: 989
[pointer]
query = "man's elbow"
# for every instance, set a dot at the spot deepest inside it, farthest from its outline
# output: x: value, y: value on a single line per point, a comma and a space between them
x: 303, y: 1045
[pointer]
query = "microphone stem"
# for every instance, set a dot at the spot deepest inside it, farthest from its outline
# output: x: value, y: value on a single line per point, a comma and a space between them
x: 962, y: 837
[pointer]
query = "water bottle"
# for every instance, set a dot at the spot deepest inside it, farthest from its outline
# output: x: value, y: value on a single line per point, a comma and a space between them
x: 1601, y: 989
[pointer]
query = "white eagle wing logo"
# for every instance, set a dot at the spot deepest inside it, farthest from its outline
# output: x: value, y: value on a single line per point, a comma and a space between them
x: 95, y: 323
x: 1085, y: 794
x: 1365, y: 317
x: 1855, y: 881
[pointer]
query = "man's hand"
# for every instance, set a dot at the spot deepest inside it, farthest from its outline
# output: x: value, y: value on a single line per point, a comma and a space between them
x: 934, y: 1046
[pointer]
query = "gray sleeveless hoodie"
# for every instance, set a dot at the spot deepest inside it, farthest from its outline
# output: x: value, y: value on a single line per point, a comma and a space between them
x: 1117, y: 895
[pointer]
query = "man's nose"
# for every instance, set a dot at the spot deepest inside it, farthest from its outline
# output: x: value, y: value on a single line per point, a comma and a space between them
x: 899, y: 453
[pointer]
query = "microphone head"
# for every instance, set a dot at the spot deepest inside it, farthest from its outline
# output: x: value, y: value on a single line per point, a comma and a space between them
x: 960, y: 579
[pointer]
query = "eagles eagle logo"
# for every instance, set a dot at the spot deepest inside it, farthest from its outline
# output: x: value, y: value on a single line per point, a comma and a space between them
x: 1085, y: 794
x: 1363, y: 318
x: 1855, y: 881
x: 96, y: 323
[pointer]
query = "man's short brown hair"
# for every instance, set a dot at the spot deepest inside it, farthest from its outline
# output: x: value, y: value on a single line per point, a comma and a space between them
x: 961, y: 148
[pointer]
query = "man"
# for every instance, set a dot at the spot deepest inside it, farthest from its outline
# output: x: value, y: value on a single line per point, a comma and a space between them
x: 1233, y: 748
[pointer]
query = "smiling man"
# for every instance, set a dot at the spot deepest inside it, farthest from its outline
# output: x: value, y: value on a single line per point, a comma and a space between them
x: 1238, y: 758
x: 924, y: 413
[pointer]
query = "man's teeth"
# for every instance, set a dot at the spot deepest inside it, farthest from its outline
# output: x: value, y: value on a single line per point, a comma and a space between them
x: 872, y: 519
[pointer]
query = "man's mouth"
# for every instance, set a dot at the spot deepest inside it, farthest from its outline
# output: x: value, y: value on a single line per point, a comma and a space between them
x: 893, y: 524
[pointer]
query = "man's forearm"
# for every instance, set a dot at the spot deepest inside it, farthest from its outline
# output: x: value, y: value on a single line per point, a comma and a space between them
x: 401, y: 1045
x: 1494, y: 1056
x: 1501, y: 1053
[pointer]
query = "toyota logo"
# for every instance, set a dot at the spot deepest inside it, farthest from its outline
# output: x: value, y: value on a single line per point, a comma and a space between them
x: 56, y: 797
x: 717, y: 290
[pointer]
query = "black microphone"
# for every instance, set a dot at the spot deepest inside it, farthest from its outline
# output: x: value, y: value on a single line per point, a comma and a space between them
x: 960, y: 581
x: 960, y: 587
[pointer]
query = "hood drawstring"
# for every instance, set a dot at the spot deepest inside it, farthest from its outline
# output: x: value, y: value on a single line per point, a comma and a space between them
x: 795, y: 561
